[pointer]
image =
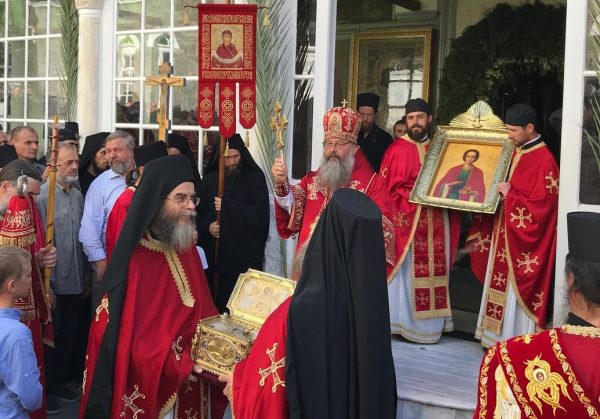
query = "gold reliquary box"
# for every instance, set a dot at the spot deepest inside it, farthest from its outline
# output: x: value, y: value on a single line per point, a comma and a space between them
x: 223, y: 340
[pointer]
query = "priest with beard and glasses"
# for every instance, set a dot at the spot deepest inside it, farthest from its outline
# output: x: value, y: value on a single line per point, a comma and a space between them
x: 426, y: 238
x: 154, y: 292
x: 244, y: 226
x: 343, y: 165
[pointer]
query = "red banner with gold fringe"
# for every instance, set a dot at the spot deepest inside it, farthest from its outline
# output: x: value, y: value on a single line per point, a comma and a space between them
x: 227, y: 55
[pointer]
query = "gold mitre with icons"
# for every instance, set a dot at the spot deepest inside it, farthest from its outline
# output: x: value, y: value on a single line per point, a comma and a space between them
x: 223, y: 340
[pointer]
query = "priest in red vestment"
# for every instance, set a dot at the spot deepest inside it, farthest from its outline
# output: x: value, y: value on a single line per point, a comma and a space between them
x: 513, y: 251
x: 21, y: 225
x: 141, y: 155
x: 553, y: 374
x: 426, y: 238
x: 138, y: 359
x: 325, y: 352
x: 343, y: 165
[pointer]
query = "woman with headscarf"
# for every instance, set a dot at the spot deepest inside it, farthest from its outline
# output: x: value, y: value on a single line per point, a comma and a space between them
x: 325, y: 353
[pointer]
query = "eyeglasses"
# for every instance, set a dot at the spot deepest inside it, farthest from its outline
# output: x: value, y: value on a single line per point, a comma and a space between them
x: 339, y: 144
x: 182, y: 200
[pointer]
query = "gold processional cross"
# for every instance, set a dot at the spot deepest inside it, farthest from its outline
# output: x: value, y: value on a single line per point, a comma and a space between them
x: 164, y: 81
x: 278, y: 124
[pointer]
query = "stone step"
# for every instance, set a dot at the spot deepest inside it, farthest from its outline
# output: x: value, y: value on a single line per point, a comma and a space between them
x: 436, y: 381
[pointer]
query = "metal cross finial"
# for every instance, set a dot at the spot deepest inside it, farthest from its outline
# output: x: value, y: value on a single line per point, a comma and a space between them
x: 279, y: 124
x: 344, y: 103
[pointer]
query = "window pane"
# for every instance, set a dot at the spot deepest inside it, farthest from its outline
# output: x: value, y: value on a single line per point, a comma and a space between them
x: 2, y: 45
x: 16, y: 59
x: 185, y: 51
x: 305, y: 43
x: 151, y: 103
x: 57, y: 102
x: 2, y: 18
x: 184, y: 104
x: 128, y: 55
x: 192, y: 14
x: 589, y: 183
x: 16, y: 99
x: 158, y: 47
x: 54, y: 17
x: 16, y: 17
x: 55, y: 61
x: 2, y: 103
x: 150, y: 136
x: 36, y: 95
x: 38, y: 11
x: 128, y: 105
x: 129, y: 15
x: 303, y: 109
x: 36, y: 66
x: 158, y: 14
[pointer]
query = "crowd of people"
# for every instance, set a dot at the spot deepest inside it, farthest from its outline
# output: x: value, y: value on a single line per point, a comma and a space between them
x: 144, y: 248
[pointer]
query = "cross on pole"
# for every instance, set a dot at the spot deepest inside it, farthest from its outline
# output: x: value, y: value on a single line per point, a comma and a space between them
x: 164, y: 80
x: 279, y: 124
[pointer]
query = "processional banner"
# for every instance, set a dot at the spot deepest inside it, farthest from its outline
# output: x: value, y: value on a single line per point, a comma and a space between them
x: 227, y: 51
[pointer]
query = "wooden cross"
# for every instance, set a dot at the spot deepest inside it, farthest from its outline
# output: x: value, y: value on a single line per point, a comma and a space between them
x: 164, y: 81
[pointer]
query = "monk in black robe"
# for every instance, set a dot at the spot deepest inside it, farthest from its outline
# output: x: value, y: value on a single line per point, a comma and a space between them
x: 244, y: 226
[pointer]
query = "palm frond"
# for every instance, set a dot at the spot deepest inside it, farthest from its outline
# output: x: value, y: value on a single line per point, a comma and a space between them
x: 69, y: 51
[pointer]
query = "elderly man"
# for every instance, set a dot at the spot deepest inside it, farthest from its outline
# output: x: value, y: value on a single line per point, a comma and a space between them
x: 372, y: 140
x: 514, y: 250
x: 343, y: 165
x: 26, y: 139
x: 557, y: 368
x: 101, y: 196
x: 418, y: 292
x: 141, y: 337
x: 67, y: 277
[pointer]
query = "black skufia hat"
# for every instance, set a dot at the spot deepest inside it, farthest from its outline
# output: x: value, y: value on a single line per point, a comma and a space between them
x: 144, y: 153
x: 367, y: 99
x: 417, y: 105
x: 520, y: 114
x: 584, y: 235
x: 7, y: 154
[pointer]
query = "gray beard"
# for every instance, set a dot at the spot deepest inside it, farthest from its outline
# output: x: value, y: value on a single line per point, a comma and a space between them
x: 119, y: 167
x: 334, y: 174
x: 172, y: 234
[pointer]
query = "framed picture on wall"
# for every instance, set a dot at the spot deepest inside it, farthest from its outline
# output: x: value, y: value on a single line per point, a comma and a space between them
x: 466, y: 161
x: 392, y: 64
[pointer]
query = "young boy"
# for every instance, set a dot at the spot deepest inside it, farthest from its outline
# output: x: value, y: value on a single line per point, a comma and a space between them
x: 20, y: 387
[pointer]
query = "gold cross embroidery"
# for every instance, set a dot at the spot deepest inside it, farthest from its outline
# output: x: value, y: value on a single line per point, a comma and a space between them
x: 552, y: 183
x: 527, y: 262
x: 502, y: 255
x: 526, y: 339
x: 538, y: 304
x: 423, y: 298
x: 520, y: 217
x: 102, y: 307
x: 400, y: 219
x: 481, y: 242
x: 499, y: 279
x: 495, y: 311
x: 129, y: 402
x: 188, y: 414
x: 178, y: 350
x: 272, y: 369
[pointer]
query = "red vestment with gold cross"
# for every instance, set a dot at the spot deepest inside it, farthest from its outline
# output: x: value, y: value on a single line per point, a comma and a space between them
x: 310, y: 199
x: 166, y: 295
x: 258, y: 383
x: 420, y: 229
x: 552, y: 374
x: 521, y: 238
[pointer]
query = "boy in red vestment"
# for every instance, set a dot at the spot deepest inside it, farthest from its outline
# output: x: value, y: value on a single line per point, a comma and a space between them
x: 553, y: 373
x: 325, y: 352
x: 343, y: 165
x: 139, y: 352
x: 513, y: 251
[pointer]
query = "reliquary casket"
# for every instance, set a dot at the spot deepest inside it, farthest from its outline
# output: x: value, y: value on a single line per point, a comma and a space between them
x: 223, y: 340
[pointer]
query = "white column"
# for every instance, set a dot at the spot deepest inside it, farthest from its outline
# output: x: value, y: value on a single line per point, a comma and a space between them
x: 570, y: 153
x: 90, y: 59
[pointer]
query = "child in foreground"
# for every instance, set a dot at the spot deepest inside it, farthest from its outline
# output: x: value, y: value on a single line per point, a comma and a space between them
x: 20, y: 387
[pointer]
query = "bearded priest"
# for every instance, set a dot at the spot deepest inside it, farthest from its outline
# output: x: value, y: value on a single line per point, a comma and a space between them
x: 154, y: 293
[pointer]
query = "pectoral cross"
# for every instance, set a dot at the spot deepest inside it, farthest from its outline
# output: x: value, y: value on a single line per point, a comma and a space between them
x: 164, y: 80
x: 278, y: 124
